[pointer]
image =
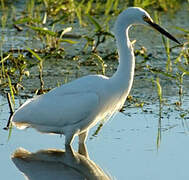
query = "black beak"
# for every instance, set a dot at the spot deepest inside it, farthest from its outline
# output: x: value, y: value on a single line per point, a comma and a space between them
x: 162, y: 31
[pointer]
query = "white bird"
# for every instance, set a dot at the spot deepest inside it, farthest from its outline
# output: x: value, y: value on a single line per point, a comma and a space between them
x: 73, y: 108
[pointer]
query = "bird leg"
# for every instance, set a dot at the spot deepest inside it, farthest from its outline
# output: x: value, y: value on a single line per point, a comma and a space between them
x: 69, y: 140
x: 83, y: 150
x: 82, y: 137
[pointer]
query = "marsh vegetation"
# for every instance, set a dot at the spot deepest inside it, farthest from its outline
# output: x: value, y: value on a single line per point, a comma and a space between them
x: 47, y: 43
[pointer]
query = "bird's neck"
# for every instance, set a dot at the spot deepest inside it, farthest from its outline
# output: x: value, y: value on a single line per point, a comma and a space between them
x: 123, y: 77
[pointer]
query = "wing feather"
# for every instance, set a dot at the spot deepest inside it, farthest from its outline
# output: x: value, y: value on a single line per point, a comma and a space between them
x: 57, y: 110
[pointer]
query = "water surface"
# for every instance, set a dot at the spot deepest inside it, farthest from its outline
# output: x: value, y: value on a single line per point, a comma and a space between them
x: 125, y: 148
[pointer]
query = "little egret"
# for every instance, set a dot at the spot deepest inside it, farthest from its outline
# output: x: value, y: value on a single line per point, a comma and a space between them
x: 73, y: 108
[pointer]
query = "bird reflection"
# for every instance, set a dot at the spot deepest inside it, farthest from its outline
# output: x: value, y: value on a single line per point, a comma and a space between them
x: 57, y: 164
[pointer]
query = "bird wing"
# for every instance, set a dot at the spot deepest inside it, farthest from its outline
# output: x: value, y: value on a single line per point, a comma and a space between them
x: 54, y: 109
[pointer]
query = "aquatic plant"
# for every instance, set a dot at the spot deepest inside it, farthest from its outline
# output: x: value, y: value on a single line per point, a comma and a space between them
x: 52, y: 25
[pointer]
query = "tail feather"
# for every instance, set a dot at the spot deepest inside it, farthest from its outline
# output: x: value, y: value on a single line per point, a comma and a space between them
x: 21, y: 125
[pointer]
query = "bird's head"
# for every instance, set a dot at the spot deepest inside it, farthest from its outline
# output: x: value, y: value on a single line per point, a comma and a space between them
x: 135, y: 15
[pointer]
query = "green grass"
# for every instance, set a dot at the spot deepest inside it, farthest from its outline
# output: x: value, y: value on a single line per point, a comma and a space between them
x: 159, y: 93
x: 51, y: 24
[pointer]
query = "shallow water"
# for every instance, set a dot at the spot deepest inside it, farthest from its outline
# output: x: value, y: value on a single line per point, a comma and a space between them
x: 125, y: 148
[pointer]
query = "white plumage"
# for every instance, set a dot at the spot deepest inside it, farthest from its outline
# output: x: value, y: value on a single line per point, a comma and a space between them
x: 75, y: 107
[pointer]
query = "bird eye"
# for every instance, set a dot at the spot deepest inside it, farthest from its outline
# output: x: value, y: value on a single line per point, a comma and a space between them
x: 145, y: 18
